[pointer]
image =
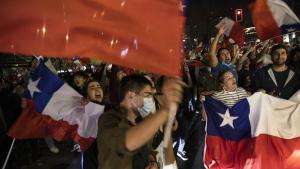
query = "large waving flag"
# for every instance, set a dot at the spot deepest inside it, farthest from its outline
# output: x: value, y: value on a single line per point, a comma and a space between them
x: 259, y: 132
x: 137, y: 34
x: 233, y: 30
x: 272, y: 18
x: 55, y: 109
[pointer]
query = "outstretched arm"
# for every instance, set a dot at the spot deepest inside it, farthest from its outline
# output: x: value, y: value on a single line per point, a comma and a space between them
x: 212, y: 57
x: 140, y: 134
x: 240, y: 62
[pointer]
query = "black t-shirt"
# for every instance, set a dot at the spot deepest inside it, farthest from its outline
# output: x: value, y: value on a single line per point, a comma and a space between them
x: 263, y: 80
x: 281, y: 78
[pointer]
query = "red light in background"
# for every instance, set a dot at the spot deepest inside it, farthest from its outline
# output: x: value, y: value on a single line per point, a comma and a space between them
x: 239, y: 15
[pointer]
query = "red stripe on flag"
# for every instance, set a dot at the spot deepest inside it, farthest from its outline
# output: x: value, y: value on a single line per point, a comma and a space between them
x: 62, y: 130
x: 265, y: 25
x: 29, y: 124
x: 237, y: 33
x: 262, y: 152
x: 137, y: 34
x: 32, y: 124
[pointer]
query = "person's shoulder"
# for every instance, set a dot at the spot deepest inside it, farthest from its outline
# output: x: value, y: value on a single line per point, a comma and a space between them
x: 111, y: 118
x: 263, y: 70
x: 217, y: 94
x: 266, y: 68
x: 296, y: 71
x: 297, y: 74
x: 218, y: 66
x: 240, y: 89
x: 243, y: 92
x: 114, y: 112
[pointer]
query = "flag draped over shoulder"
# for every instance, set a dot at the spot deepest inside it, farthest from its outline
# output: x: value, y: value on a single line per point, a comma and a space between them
x: 259, y: 132
x: 137, y: 34
x: 233, y: 30
x: 54, y: 109
x: 272, y: 18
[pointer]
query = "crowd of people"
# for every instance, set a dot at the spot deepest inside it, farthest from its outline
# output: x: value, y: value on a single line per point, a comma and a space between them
x: 137, y: 103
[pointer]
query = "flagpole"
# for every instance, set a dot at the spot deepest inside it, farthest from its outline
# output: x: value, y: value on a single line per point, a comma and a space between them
x: 167, y: 133
x: 8, y: 154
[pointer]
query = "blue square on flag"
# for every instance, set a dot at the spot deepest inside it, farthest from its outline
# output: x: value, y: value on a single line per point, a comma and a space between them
x: 42, y: 85
x: 228, y: 123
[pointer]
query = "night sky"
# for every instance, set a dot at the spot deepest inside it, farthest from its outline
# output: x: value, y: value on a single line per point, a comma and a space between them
x: 203, y: 15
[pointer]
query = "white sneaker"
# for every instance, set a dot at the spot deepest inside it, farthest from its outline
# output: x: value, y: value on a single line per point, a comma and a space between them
x: 181, y: 154
x: 54, y: 149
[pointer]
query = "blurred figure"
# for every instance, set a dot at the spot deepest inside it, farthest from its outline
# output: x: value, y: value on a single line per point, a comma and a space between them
x: 294, y: 59
x: 94, y: 93
x: 79, y: 80
x: 115, y: 77
x: 234, y: 52
x: 245, y: 71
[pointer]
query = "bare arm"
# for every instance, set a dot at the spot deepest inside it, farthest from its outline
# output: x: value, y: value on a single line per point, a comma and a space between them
x: 243, y: 58
x: 212, y: 57
x: 263, y: 51
x: 140, y: 134
x: 235, y: 56
x: 188, y: 75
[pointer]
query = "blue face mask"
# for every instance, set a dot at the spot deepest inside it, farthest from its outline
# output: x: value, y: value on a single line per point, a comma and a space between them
x: 226, y: 64
x: 148, y: 107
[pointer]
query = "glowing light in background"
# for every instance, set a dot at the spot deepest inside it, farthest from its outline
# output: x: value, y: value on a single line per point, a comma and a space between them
x: 44, y: 30
x: 123, y: 3
x: 67, y: 37
x: 124, y: 52
x: 135, y: 43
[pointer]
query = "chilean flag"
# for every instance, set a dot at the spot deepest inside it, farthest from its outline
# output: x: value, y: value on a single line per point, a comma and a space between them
x: 272, y: 18
x: 134, y: 33
x: 259, y: 132
x: 54, y: 109
x: 233, y: 30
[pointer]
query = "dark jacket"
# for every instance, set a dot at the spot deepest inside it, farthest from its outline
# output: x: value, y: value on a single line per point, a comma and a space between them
x: 113, y: 154
x: 265, y: 79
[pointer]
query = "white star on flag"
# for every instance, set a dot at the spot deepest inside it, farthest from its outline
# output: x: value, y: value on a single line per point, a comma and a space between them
x: 181, y: 6
x: 32, y: 86
x: 227, y: 119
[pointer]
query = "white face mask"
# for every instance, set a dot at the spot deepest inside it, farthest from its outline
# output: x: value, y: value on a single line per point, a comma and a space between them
x: 148, y: 107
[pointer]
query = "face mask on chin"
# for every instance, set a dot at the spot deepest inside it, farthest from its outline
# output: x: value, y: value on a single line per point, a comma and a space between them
x: 148, y: 107
x: 226, y: 64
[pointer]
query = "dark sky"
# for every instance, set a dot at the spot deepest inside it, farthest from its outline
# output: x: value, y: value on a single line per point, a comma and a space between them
x: 202, y: 15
